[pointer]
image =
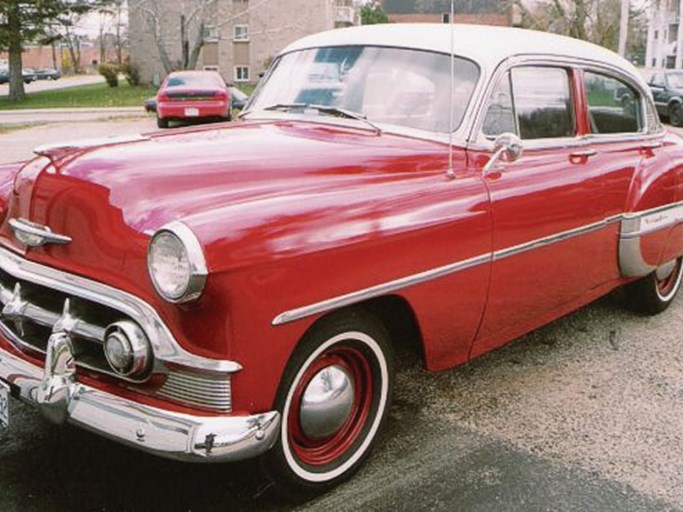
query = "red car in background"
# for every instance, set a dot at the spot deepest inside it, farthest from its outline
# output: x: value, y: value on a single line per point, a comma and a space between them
x: 192, y: 95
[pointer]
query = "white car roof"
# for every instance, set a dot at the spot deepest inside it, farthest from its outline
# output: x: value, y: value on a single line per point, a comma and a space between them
x: 486, y: 45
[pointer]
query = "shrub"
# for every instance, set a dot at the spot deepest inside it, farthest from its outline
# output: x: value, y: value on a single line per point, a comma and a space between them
x: 132, y: 73
x: 110, y: 72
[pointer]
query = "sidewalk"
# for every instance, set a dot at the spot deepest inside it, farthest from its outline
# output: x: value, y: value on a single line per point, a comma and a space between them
x: 55, y: 115
x: 19, y: 144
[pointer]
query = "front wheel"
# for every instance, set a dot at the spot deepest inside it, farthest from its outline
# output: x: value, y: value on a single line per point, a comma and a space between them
x: 334, y: 397
x: 656, y: 291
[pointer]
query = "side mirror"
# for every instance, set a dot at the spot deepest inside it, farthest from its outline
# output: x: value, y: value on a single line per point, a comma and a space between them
x: 507, y: 147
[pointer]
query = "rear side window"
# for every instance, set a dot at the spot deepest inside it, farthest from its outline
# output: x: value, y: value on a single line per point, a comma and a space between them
x: 613, y: 105
x: 533, y: 102
x: 543, y: 102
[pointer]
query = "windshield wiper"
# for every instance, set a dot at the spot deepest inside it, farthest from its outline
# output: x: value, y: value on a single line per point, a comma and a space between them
x: 324, y: 109
x: 286, y: 106
x: 342, y: 112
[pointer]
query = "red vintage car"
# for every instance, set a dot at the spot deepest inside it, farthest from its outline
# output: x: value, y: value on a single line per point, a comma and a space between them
x: 192, y: 95
x: 234, y: 291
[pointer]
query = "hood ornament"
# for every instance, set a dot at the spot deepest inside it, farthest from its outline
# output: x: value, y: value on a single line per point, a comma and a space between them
x: 35, y: 235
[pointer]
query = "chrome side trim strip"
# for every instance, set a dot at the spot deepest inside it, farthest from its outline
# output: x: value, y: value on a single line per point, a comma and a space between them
x: 553, y: 239
x: 165, y: 346
x: 655, y: 219
x: 376, y: 291
x: 631, y: 261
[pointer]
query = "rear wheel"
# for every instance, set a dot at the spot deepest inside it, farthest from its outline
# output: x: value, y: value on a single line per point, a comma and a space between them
x: 334, y: 398
x: 656, y: 291
x: 676, y: 114
x: 162, y: 123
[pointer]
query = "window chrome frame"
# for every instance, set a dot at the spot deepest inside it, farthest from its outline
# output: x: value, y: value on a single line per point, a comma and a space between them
x: 480, y: 141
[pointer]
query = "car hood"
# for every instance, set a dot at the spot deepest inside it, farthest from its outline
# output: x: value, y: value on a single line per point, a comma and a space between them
x: 228, y: 183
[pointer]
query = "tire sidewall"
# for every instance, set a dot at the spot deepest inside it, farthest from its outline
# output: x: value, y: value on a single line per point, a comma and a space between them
x: 676, y: 115
x: 280, y: 463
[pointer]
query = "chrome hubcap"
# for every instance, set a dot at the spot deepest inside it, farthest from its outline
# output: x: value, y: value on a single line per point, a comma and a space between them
x: 666, y: 270
x: 326, y: 403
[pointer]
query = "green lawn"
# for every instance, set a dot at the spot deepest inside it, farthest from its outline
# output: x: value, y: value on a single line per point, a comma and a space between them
x: 96, y: 95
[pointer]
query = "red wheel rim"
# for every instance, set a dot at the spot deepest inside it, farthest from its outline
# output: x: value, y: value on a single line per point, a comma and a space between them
x: 666, y: 285
x: 319, y: 452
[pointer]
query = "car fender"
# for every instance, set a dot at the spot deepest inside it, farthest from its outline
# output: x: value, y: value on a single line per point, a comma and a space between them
x: 653, y: 212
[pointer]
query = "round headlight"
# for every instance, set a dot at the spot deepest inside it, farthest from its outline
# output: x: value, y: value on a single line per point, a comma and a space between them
x: 127, y: 349
x: 176, y: 263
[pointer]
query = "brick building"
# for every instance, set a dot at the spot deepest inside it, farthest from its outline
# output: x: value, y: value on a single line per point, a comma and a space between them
x: 240, y: 36
x: 478, y: 12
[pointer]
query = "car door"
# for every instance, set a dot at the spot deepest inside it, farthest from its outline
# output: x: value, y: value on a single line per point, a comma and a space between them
x: 659, y: 93
x: 555, y: 210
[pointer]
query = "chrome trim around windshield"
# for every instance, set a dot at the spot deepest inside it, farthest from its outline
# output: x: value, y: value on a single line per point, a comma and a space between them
x: 166, y: 348
x: 631, y: 261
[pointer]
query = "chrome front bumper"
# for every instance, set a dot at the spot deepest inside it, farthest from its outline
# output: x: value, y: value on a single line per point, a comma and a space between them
x: 54, y: 391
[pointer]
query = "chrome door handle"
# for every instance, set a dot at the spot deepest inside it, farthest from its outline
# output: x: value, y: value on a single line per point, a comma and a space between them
x: 651, y: 145
x: 583, y: 154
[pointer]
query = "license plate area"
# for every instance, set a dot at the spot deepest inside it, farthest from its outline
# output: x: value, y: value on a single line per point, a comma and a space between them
x: 191, y: 112
x: 4, y: 407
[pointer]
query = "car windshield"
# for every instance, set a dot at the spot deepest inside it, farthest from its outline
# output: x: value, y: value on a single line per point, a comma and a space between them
x: 388, y: 85
x: 675, y: 80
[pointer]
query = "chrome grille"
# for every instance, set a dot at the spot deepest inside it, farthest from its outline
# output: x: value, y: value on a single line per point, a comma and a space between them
x: 205, y: 391
x: 30, y: 313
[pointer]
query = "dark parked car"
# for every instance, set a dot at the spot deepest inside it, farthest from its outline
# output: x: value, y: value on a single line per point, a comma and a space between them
x: 667, y: 90
x: 238, y: 99
x: 27, y: 74
x: 48, y: 74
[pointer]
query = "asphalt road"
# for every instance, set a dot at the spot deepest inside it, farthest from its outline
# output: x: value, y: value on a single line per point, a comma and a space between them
x: 50, y: 85
x: 583, y: 414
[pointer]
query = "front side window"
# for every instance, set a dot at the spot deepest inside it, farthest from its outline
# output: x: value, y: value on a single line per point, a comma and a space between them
x: 532, y: 102
x: 388, y: 85
x: 613, y: 105
x: 657, y: 80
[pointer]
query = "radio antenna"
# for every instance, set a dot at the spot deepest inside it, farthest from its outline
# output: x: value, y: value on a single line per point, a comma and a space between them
x: 450, y: 174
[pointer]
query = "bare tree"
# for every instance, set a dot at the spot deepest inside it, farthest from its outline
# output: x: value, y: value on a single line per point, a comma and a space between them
x: 188, y: 29
x: 597, y: 21
x: 112, y: 13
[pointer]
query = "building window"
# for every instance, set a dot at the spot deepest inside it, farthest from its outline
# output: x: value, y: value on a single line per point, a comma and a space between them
x: 241, y: 33
x: 210, y: 34
x: 241, y: 73
x: 656, y: 34
x: 446, y: 17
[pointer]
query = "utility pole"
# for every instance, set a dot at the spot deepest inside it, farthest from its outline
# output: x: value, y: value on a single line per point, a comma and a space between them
x: 623, y: 28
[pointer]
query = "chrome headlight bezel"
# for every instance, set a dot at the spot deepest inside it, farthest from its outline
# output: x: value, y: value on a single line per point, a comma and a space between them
x: 198, y: 271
